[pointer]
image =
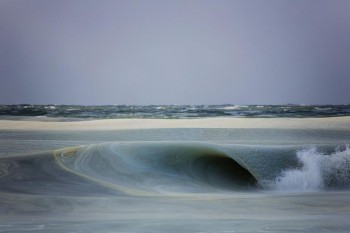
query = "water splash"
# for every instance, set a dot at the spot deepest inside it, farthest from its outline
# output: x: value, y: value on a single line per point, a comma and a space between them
x: 317, y: 171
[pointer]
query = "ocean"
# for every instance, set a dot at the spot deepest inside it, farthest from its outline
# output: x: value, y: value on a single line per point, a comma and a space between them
x: 174, y: 168
x: 172, y: 111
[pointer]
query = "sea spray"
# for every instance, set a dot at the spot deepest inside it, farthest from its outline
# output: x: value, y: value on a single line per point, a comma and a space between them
x: 336, y: 169
x: 308, y: 178
x: 317, y: 171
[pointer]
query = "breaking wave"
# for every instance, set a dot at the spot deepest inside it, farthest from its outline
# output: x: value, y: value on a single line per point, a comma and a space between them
x: 173, y: 168
x: 148, y: 168
x: 317, y: 171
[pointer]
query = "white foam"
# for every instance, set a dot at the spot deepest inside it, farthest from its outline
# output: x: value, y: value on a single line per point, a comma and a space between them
x: 319, y: 171
x: 308, y: 178
x: 234, y: 107
x: 50, y: 107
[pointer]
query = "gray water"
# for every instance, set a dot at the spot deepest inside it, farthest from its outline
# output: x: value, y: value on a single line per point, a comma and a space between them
x: 175, y: 180
x: 80, y: 112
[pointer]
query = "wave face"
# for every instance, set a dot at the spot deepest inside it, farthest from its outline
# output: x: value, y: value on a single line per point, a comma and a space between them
x: 171, y: 111
x: 149, y: 168
x: 176, y: 168
x: 175, y: 180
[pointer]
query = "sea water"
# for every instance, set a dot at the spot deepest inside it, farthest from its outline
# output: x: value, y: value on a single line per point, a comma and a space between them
x: 171, y: 111
x: 175, y: 180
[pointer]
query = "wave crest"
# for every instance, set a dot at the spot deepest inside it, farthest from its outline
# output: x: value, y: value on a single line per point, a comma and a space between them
x: 317, y: 171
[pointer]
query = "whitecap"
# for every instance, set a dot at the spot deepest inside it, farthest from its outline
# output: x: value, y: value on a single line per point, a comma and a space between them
x: 318, y: 171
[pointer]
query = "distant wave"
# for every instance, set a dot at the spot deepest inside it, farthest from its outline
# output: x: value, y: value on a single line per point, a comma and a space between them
x: 169, y: 168
x: 171, y: 111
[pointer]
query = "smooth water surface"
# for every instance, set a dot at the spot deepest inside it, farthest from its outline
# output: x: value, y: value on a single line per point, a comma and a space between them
x: 175, y: 180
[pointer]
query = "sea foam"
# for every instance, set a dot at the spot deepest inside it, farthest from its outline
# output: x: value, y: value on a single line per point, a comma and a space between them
x: 317, y: 171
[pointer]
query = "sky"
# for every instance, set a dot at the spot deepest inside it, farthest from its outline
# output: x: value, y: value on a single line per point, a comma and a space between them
x: 96, y: 52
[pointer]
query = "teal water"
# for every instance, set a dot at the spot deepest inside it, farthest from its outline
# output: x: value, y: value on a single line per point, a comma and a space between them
x: 175, y: 180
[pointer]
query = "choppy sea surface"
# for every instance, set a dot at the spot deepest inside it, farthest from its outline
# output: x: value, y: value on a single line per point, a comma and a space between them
x: 175, y: 180
x: 173, y: 111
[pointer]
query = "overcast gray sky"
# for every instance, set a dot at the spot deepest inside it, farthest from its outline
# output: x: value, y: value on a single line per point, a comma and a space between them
x: 175, y: 51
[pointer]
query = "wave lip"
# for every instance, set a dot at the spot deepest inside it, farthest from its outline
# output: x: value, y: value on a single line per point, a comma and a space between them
x: 176, y: 168
x: 150, y: 168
